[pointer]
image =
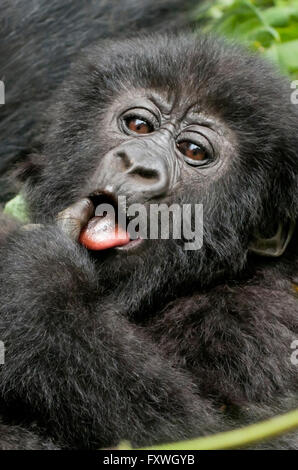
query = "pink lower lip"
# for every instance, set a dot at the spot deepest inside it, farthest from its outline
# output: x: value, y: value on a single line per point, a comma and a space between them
x: 131, y: 245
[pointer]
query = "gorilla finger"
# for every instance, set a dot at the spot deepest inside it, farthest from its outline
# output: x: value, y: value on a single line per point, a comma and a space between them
x: 75, y: 217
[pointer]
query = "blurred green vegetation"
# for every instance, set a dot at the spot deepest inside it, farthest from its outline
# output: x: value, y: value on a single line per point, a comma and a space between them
x: 235, y: 439
x: 268, y: 26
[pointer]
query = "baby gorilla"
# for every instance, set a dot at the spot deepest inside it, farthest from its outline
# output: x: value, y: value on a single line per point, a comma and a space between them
x: 148, y: 341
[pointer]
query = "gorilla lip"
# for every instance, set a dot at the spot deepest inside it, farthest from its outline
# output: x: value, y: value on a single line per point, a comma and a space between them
x: 102, y: 231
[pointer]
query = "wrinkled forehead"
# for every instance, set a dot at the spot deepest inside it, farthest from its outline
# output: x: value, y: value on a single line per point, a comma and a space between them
x: 161, y: 63
x: 186, y: 74
x: 169, y: 84
x: 167, y: 102
x: 176, y: 77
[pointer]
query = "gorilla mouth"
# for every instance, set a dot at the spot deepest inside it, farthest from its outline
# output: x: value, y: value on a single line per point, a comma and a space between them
x: 104, y: 230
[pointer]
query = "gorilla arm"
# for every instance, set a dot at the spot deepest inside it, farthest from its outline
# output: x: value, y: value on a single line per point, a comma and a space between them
x: 17, y: 438
x: 74, y: 363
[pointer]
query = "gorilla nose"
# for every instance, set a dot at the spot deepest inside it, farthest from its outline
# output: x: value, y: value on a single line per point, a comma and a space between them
x: 145, y: 173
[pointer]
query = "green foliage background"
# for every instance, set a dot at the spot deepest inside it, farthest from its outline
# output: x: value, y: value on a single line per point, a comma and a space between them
x: 268, y: 26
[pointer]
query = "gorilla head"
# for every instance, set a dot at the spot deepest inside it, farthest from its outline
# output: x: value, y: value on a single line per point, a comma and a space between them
x: 176, y: 120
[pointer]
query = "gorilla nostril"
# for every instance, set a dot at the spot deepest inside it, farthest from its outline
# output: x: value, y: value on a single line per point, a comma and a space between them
x: 142, y: 170
x: 145, y: 173
x: 124, y: 159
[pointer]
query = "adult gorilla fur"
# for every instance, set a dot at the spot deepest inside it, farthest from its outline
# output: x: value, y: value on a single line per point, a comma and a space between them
x: 167, y: 344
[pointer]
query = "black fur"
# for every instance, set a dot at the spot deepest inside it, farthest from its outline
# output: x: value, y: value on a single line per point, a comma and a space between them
x: 168, y: 344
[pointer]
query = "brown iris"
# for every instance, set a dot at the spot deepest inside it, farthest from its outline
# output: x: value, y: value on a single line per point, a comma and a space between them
x: 192, y: 150
x: 138, y: 125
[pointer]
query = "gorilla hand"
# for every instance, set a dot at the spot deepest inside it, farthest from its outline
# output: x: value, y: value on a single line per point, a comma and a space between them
x: 74, y: 218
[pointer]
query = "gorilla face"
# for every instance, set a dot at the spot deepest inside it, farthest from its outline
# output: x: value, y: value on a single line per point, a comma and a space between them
x: 173, y: 120
x: 162, y: 143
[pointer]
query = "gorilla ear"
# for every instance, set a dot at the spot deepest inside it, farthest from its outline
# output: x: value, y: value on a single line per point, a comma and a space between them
x: 276, y: 245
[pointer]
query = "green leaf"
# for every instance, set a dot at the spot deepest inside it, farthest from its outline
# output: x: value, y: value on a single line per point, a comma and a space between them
x: 289, y: 33
x: 277, y: 16
x: 17, y: 208
x: 288, y: 54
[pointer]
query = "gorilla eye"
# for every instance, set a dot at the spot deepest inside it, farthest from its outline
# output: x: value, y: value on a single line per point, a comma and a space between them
x: 138, y: 125
x: 194, y: 154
